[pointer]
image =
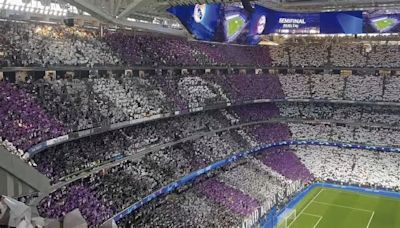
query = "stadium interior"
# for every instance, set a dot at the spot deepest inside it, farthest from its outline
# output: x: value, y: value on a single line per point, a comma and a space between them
x: 182, y: 113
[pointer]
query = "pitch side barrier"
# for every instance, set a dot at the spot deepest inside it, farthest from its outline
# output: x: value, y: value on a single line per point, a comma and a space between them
x: 192, y: 176
x: 274, y: 216
x: 111, y: 127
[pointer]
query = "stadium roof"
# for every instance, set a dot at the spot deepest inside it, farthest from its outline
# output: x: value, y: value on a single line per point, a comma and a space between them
x: 156, y: 9
x: 152, y: 14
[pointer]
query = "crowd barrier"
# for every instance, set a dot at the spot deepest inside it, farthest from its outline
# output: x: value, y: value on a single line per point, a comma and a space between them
x: 271, y: 219
x: 101, y: 129
x: 192, y: 176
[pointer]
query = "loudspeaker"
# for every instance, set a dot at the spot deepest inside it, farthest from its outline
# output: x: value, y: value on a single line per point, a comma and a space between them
x: 247, y: 6
x: 70, y: 22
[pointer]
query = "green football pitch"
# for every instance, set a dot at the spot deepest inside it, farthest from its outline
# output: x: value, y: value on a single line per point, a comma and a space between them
x: 234, y: 25
x: 384, y: 23
x: 334, y: 208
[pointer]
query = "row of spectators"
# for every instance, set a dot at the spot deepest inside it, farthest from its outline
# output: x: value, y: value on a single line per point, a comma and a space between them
x: 345, y: 133
x: 336, y: 87
x: 28, y: 44
x: 23, y: 122
x: 352, y: 166
x: 143, y: 49
x: 43, y: 45
x: 377, y: 115
x: 335, y: 51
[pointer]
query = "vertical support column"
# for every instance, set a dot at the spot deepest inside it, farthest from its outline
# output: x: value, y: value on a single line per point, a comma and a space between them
x: 10, y: 185
x: 3, y: 181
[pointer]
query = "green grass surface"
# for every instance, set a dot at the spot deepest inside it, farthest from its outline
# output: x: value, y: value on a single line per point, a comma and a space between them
x: 234, y: 25
x: 384, y: 23
x: 334, y: 208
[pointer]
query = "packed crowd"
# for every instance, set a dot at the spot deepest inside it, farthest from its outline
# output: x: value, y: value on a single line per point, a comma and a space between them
x: 42, y: 45
x: 108, y: 195
x: 335, y: 51
x: 23, y: 122
x: 159, y: 168
x: 370, y: 135
x: 94, y: 101
x: 78, y: 155
x: 27, y: 44
x: 352, y: 166
x: 69, y: 105
x: 336, y: 87
x: 34, y: 111
x: 283, y: 170
x: 142, y: 49
x: 374, y: 115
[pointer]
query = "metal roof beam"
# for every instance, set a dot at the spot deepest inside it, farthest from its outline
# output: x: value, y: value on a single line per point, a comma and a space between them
x: 129, y: 8
x: 101, y: 15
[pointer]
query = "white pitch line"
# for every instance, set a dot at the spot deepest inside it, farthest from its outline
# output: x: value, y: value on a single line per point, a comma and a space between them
x: 319, y: 220
x: 370, y: 219
x: 319, y: 216
x: 309, y: 203
x: 337, y: 205
x: 364, y: 194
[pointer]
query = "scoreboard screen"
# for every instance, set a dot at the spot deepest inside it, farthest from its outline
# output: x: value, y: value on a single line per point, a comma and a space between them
x: 382, y: 21
x: 231, y: 23
x: 219, y: 22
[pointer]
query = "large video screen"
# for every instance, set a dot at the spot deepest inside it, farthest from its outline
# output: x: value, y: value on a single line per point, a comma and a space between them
x: 382, y: 21
x: 221, y: 22
x: 345, y: 22
x: 289, y: 23
x: 231, y: 23
x: 200, y: 20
